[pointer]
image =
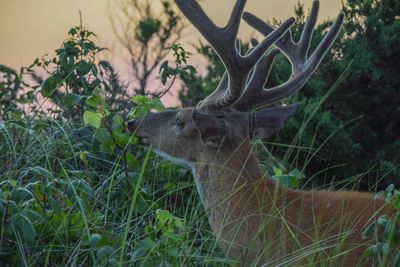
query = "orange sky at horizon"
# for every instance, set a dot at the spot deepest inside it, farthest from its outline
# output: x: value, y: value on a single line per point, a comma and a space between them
x: 30, y: 29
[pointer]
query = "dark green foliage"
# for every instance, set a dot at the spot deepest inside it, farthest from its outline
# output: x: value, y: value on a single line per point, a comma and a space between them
x: 61, y: 188
x: 12, y: 96
x: 181, y: 68
x: 376, y: 76
x: 386, y: 231
x: 74, y: 75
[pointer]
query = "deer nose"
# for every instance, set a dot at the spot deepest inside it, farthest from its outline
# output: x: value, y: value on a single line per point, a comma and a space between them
x: 133, y: 125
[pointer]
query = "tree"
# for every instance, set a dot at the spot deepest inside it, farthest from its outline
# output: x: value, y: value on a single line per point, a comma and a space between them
x: 373, y: 89
x: 145, y: 35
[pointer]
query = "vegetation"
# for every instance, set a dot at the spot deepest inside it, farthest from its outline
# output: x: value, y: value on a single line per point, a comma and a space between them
x: 75, y: 188
x: 146, y: 34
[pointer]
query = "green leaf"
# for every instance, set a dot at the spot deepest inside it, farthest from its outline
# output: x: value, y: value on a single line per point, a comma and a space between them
x: 40, y: 171
x: 72, y: 31
x: 105, y: 252
x: 96, y: 100
x: 102, y: 135
x: 108, y: 146
x: 11, y: 182
x: 93, y: 118
x: 369, y: 231
x: 117, y: 122
x: 94, y: 240
x: 164, y: 66
x: 32, y: 215
x: 390, y: 188
x: 21, y: 194
x: 155, y: 104
x: 55, y: 206
x: 278, y: 172
x: 382, y: 220
x: 297, y: 174
x: 139, y: 99
x: 140, y: 252
x: 95, y: 83
x: 83, y: 156
x: 131, y: 160
x: 122, y: 139
x: 71, y: 100
x: 2, y: 205
x: 49, y: 86
x: 83, y: 67
x: 396, y: 202
x: 24, y: 226
x: 163, y: 216
x: 144, y: 105
x: 147, y: 244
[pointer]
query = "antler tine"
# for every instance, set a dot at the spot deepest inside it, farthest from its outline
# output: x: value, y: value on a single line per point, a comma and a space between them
x: 302, y: 66
x: 223, y: 41
x: 253, y: 95
x: 218, y: 37
x: 223, y: 84
x: 308, y: 30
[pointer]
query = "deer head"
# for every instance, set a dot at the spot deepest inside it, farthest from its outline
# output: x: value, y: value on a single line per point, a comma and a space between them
x: 223, y: 121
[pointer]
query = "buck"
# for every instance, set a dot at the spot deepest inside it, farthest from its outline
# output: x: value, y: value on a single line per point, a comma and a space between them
x: 255, y: 220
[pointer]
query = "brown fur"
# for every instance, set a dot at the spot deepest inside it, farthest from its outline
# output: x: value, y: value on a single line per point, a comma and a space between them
x: 239, y: 200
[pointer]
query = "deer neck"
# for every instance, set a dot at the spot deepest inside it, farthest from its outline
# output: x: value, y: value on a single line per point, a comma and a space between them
x: 225, y: 180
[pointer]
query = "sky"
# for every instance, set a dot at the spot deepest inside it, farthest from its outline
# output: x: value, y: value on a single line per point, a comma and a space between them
x: 32, y: 28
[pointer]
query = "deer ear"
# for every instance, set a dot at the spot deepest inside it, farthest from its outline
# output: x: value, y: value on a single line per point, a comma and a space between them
x: 265, y: 123
x: 213, y: 131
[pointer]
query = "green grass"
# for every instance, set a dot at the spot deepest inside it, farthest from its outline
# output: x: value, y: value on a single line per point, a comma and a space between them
x: 75, y: 196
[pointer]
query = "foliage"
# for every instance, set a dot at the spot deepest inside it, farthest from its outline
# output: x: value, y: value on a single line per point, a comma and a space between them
x: 291, y: 180
x: 386, y: 231
x: 63, y: 188
x: 146, y: 30
x: 375, y: 50
x: 181, y: 68
x: 11, y: 87
x: 74, y: 75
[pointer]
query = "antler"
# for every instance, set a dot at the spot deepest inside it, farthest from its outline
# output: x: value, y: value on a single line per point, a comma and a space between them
x: 302, y: 66
x: 224, y: 42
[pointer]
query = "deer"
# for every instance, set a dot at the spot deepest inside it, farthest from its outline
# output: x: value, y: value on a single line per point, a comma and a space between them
x: 256, y: 221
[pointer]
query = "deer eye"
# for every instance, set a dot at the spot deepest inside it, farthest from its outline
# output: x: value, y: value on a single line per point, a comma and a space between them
x: 179, y: 123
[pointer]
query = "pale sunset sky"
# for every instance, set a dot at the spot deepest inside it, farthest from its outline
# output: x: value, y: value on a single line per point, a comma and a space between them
x: 32, y: 28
